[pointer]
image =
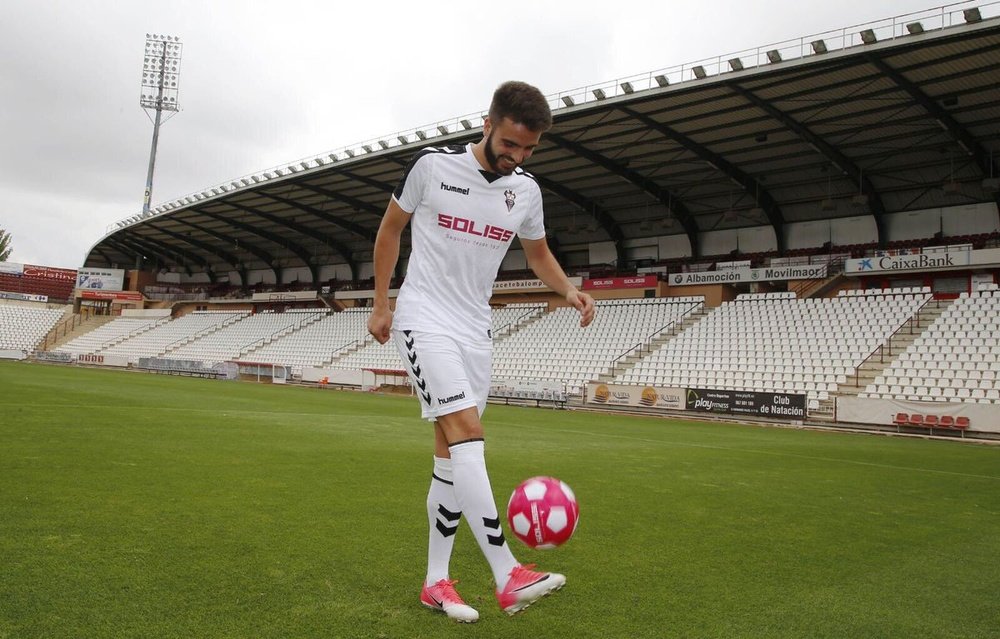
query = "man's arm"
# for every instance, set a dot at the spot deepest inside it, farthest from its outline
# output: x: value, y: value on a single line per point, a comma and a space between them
x: 546, y: 268
x: 385, y: 257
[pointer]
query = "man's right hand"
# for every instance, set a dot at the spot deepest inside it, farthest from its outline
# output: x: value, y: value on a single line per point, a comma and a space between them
x: 380, y: 323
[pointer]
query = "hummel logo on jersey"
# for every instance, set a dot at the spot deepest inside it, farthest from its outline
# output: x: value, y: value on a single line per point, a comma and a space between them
x: 453, y: 398
x: 509, y: 199
x: 454, y: 189
x: 469, y: 226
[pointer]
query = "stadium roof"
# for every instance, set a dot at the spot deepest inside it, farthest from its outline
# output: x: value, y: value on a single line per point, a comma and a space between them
x: 886, y: 118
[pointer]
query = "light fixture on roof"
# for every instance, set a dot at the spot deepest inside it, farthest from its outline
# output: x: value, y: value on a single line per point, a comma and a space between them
x: 699, y: 72
x: 972, y: 15
x: 403, y: 139
x: 818, y: 46
x: 367, y: 148
x: 662, y: 80
x: 599, y: 94
x: 421, y: 135
x: 442, y: 129
x: 868, y: 36
x: 235, y: 185
x: 774, y: 55
x: 568, y: 100
x: 627, y: 87
x: 319, y: 161
x: 304, y: 165
x: 349, y: 153
x: 333, y: 157
x: 466, y: 124
x: 915, y: 28
x: 859, y: 201
x: 736, y: 64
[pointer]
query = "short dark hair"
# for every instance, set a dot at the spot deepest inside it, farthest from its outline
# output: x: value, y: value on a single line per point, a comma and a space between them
x: 523, y: 104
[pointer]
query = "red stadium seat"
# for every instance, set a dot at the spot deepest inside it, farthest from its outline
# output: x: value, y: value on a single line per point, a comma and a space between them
x: 947, y: 421
x: 930, y: 421
x: 916, y: 419
x: 901, y: 418
x: 962, y: 423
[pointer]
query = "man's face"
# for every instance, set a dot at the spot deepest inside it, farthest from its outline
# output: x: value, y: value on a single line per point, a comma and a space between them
x: 508, y: 145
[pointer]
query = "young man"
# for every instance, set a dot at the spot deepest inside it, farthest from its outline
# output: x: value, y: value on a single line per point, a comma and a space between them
x: 466, y: 203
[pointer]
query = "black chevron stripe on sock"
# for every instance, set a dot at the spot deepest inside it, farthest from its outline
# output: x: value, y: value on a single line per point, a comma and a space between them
x: 446, y: 531
x: 447, y: 514
x: 494, y: 523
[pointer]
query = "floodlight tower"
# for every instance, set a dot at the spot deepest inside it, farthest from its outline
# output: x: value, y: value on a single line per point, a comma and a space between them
x: 161, y: 69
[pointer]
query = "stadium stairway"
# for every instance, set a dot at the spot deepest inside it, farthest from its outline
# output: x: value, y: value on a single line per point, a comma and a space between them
x: 821, y: 287
x: 629, y: 361
x: 207, y: 331
x: 68, y: 329
x: 246, y: 353
x: 881, y: 359
x: 344, y: 353
x: 531, y: 314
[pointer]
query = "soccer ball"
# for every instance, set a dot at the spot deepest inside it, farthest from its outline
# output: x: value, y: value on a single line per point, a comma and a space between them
x: 543, y: 512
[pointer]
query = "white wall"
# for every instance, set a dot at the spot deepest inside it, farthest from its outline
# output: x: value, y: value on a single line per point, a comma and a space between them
x: 298, y: 274
x: 603, y: 253
x: 514, y: 261
x: 334, y: 271
x: 755, y: 239
x: 263, y: 276
x: 643, y: 248
x: 674, y: 246
x: 912, y: 225
x: 969, y: 219
x: 168, y: 278
x: 841, y: 231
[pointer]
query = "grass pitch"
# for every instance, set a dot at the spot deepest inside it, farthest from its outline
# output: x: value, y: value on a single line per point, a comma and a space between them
x: 137, y: 505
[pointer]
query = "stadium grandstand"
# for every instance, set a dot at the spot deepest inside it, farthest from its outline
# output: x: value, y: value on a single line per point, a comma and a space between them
x: 806, y: 231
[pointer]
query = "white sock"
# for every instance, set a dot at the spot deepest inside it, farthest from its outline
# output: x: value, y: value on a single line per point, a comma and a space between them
x: 443, y: 515
x: 475, y: 497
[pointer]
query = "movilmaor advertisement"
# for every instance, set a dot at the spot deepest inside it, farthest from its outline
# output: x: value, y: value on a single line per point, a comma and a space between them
x: 648, y: 396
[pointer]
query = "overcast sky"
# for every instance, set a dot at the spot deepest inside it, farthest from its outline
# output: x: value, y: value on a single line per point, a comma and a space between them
x: 265, y: 83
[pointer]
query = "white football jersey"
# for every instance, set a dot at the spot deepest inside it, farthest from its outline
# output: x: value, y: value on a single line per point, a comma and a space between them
x: 464, y: 220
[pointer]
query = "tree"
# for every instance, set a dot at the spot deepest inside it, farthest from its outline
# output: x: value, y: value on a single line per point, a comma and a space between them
x: 5, y: 247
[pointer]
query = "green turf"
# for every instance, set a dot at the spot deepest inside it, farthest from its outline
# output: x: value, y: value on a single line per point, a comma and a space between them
x: 137, y: 505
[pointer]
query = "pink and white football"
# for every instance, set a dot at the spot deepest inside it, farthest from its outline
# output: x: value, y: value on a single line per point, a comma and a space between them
x: 543, y: 512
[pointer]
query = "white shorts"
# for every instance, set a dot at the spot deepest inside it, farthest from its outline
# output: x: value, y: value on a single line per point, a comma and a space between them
x: 447, y: 375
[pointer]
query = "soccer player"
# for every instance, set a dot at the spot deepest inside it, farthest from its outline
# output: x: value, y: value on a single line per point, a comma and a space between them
x: 466, y: 204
